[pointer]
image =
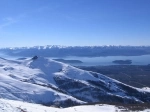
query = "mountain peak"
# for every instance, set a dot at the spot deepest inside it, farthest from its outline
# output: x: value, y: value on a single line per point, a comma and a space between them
x: 51, y: 82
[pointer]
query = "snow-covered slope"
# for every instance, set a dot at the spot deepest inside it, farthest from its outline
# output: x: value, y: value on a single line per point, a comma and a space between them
x: 50, y: 82
x: 55, y: 51
x: 18, y: 106
x: 17, y: 83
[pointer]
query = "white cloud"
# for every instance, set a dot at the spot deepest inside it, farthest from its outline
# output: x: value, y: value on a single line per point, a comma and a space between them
x: 7, y: 21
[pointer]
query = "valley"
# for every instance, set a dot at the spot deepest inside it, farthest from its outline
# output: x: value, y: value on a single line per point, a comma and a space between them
x: 134, y: 75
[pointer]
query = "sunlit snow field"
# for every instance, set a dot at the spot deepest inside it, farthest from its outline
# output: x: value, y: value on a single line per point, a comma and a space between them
x: 17, y: 106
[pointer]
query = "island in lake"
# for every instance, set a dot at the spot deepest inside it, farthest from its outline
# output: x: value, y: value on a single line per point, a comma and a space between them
x: 122, y: 61
x: 21, y: 58
x: 68, y: 61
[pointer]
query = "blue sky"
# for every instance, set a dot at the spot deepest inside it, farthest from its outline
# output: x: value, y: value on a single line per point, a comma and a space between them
x: 74, y: 22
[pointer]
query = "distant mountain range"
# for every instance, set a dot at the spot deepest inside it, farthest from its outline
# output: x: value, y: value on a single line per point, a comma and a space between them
x: 48, y: 82
x: 89, y: 51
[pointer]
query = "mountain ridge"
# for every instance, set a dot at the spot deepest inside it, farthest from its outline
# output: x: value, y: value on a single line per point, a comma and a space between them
x: 62, y: 46
x: 50, y: 82
x: 89, y: 51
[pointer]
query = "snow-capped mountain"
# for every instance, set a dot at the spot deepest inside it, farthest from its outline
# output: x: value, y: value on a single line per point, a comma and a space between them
x: 55, y: 51
x: 50, y: 82
x: 22, y: 81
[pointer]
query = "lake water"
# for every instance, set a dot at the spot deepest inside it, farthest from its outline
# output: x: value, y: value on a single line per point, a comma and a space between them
x: 92, y: 61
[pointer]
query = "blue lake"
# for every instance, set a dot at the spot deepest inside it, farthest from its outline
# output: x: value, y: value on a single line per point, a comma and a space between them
x: 92, y: 61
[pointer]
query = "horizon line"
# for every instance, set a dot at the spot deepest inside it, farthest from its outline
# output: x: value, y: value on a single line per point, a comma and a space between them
x: 77, y: 46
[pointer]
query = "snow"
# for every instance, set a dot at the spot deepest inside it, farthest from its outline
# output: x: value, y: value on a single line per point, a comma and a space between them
x: 52, y: 68
x: 18, y: 106
x: 146, y: 89
x: 61, y: 46
x: 17, y: 82
x: 86, y: 51
x: 34, y: 81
